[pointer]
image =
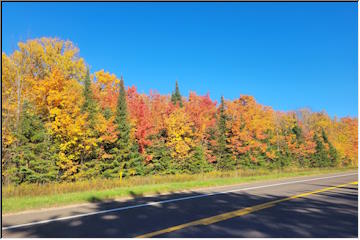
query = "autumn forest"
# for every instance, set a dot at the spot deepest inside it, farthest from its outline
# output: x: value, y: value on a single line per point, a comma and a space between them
x: 63, y: 122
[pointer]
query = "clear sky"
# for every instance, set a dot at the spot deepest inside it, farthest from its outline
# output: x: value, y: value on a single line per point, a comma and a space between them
x: 287, y: 55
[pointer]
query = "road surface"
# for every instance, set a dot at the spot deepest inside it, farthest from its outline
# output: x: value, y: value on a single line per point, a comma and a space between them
x: 312, y: 206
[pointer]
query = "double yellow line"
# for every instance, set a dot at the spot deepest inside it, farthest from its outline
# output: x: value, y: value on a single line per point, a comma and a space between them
x: 237, y: 213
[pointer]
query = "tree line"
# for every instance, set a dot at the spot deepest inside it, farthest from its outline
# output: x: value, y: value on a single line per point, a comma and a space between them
x: 62, y: 123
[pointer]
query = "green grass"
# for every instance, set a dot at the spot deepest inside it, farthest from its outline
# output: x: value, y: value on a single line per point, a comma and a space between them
x: 31, y: 196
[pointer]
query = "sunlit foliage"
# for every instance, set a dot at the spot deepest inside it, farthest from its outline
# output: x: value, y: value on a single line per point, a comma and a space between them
x: 60, y: 122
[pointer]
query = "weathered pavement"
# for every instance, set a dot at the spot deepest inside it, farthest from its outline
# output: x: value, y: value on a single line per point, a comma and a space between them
x: 313, y: 206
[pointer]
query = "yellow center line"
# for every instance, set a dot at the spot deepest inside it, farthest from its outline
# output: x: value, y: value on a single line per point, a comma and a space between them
x: 237, y: 213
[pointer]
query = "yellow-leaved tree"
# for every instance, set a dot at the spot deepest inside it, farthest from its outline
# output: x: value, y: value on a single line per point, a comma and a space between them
x: 180, y: 134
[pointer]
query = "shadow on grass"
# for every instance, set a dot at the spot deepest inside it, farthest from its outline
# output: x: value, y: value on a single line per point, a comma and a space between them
x: 135, y: 195
x: 94, y: 199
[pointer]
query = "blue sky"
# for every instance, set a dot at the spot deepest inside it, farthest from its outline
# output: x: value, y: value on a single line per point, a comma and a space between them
x: 287, y: 55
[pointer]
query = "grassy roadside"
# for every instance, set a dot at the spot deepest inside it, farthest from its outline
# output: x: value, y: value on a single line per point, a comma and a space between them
x: 15, y: 199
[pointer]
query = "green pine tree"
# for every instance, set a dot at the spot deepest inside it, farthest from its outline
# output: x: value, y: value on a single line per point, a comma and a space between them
x: 332, y: 157
x: 298, y: 133
x: 224, y: 160
x: 126, y: 161
x: 89, y: 105
x: 321, y: 156
x: 161, y: 162
x: 197, y: 163
x: 176, y: 96
x: 89, y: 167
x: 35, y: 155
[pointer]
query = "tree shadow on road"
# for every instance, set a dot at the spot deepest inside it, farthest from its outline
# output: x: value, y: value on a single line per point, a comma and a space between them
x: 327, y: 214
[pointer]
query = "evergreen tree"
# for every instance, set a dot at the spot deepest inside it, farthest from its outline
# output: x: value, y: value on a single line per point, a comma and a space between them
x: 35, y: 155
x: 126, y: 160
x: 283, y: 158
x: 333, y: 157
x: 197, y: 163
x: 322, y: 157
x: 121, y: 119
x: 176, y: 96
x: 224, y: 161
x: 298, y: 133
x: 107, y: 113
x: 89, y: 167
x: 161, y: 162
x: 89, y: 105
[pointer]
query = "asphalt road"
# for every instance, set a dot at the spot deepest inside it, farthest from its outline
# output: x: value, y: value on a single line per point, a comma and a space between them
x: 313, y: 206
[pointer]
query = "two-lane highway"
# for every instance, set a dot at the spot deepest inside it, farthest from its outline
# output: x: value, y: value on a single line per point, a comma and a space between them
x: 312, y: 206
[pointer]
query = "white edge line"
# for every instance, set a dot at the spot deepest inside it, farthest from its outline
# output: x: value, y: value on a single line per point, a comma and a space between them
x: 167, y: 201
